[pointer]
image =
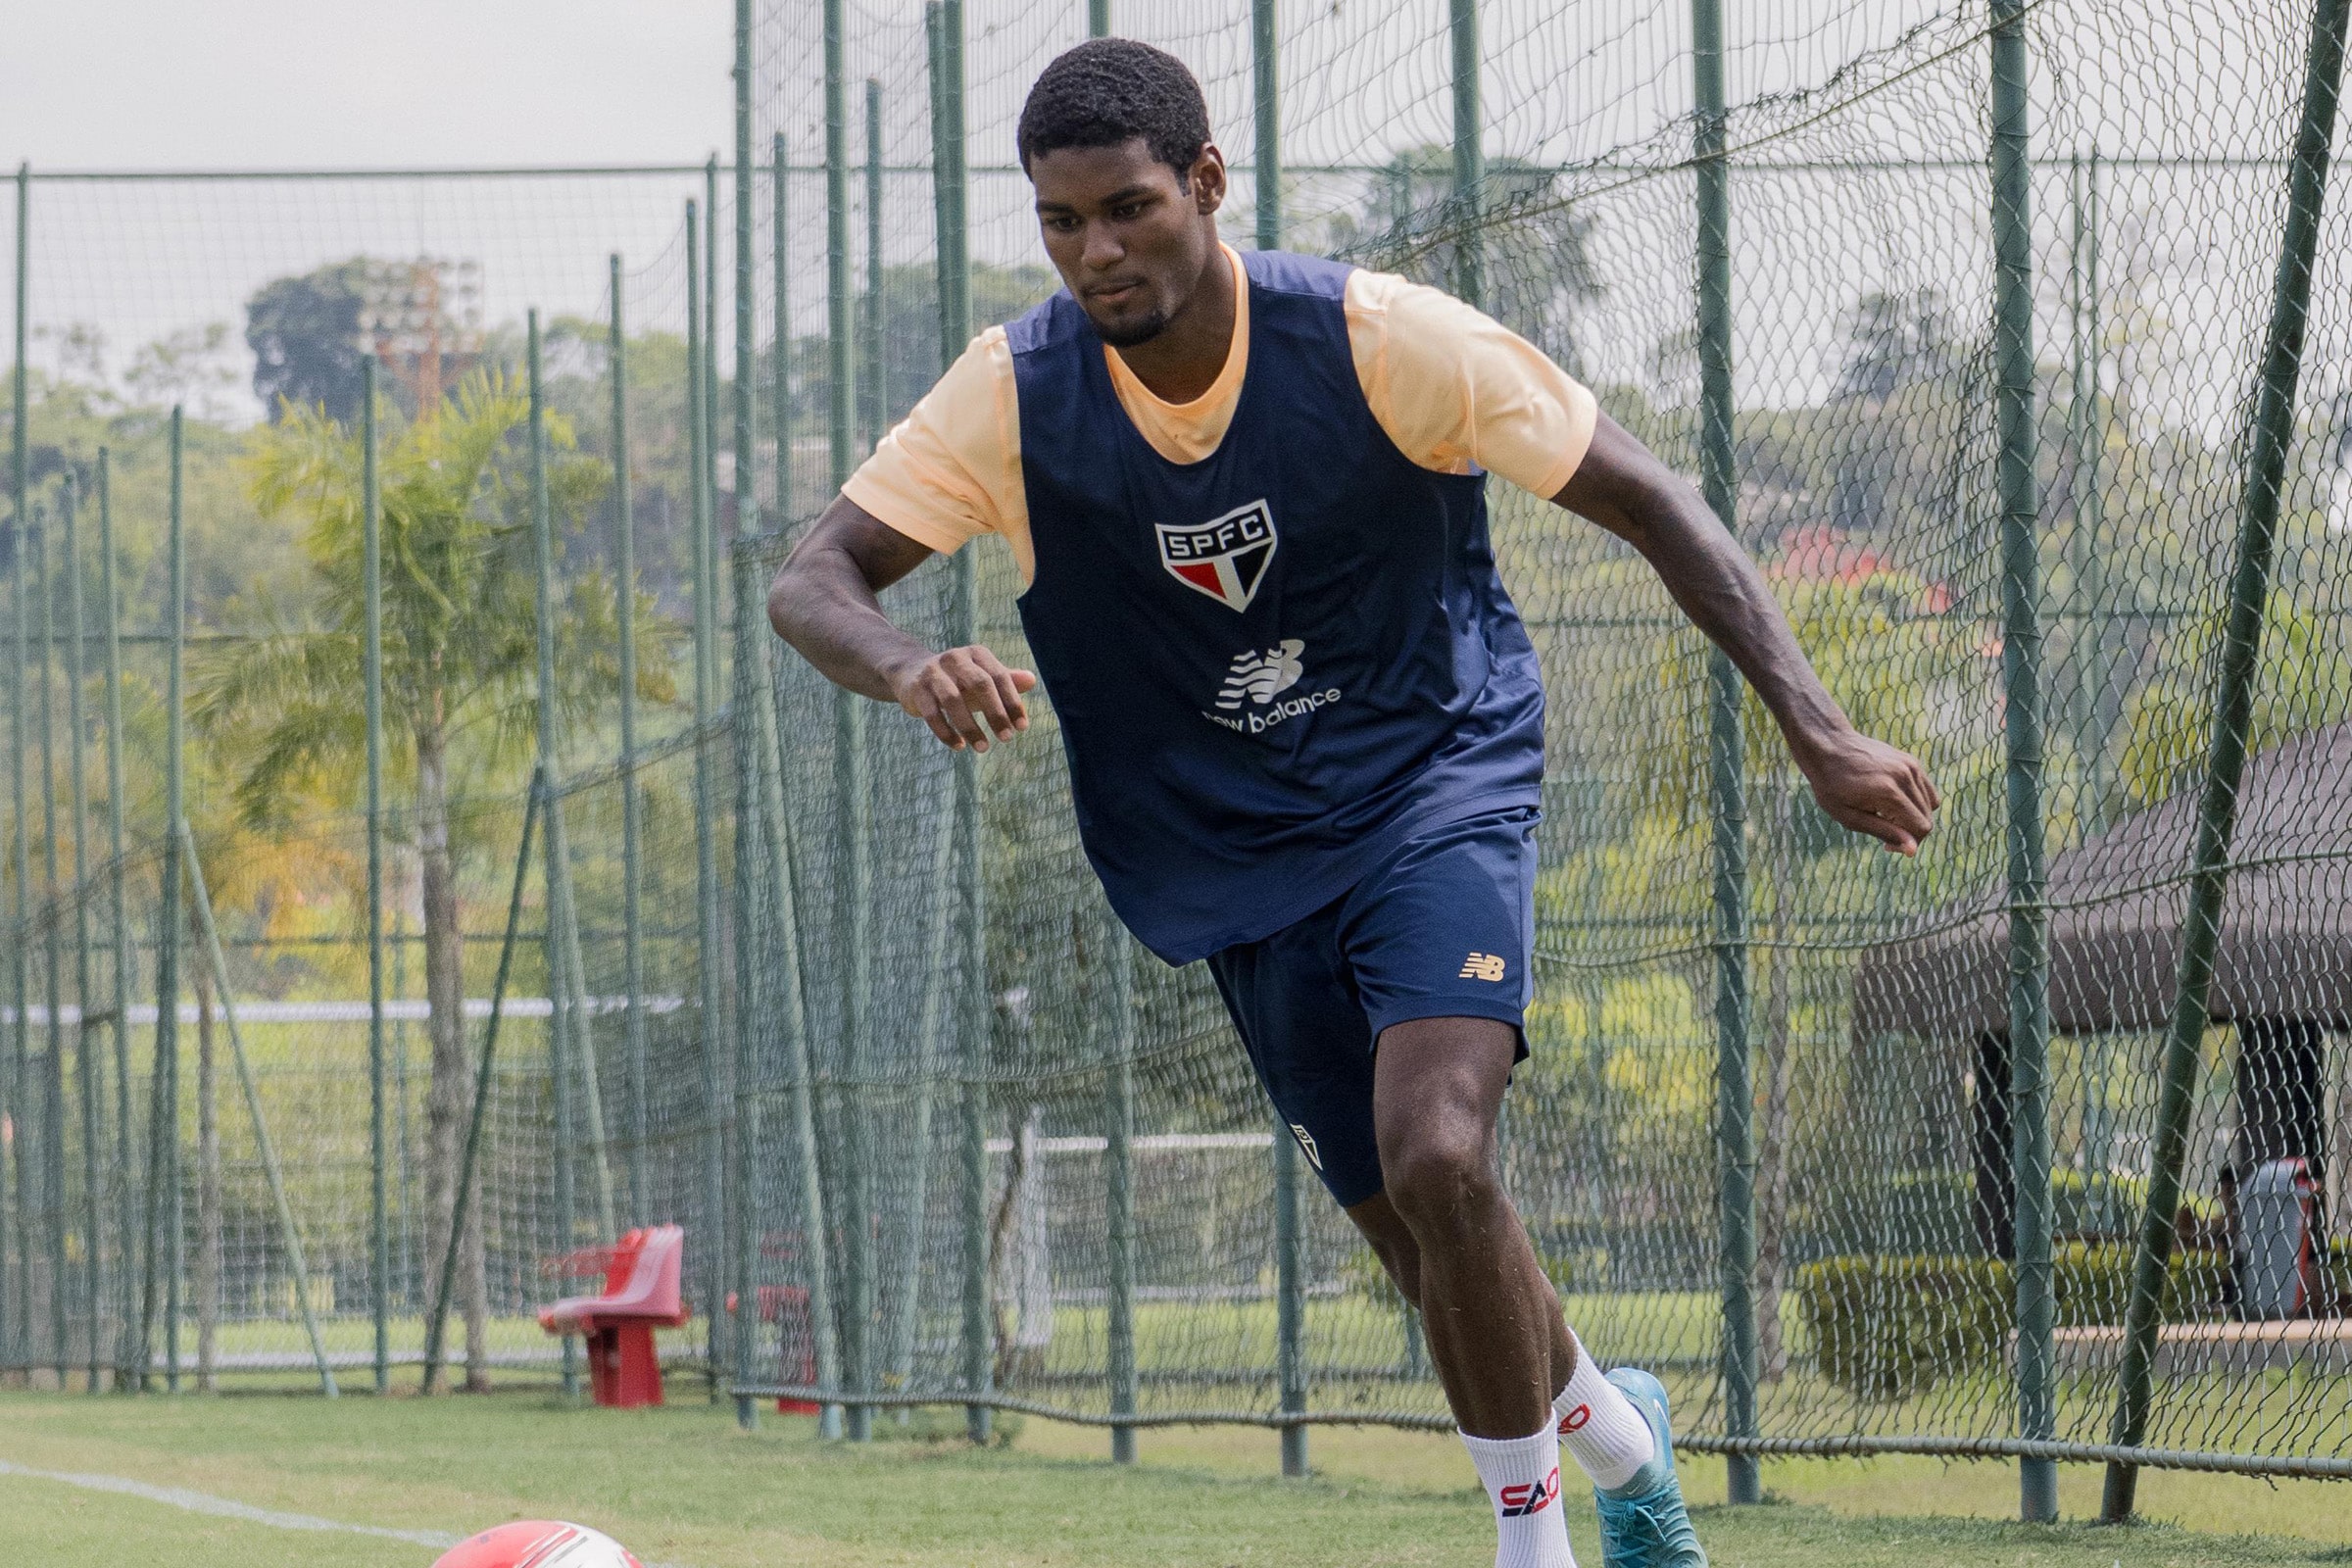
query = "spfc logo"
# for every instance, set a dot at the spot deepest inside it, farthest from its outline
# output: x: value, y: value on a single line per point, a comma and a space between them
x: 1225, y: 559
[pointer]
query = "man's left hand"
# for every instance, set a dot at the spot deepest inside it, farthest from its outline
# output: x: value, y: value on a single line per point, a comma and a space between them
x: 1873, y: 788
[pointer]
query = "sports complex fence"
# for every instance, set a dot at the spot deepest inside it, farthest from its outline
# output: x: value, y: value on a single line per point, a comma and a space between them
x: 2016, y: 341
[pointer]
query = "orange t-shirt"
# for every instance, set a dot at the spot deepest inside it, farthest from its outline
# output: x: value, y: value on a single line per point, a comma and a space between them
x: 1452, y: 387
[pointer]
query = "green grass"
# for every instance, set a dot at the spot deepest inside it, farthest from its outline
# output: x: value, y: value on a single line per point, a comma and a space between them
x: 681, y: 1486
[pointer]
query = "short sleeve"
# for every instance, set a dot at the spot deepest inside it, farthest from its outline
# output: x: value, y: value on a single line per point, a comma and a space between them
x: 1454, y: 388
x: 951, y: 469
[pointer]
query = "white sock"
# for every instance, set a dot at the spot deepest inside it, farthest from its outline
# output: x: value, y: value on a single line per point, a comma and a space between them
x: 1522, y: 1477
x: 1599, y: 1427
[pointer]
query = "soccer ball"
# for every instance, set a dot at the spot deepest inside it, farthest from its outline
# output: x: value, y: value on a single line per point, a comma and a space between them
x: 538, y: 1544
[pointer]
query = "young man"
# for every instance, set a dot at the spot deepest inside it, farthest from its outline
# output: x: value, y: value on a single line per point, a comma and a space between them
x: 1304, y: 723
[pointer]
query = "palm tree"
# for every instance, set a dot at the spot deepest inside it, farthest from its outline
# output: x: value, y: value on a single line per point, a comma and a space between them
x: 459, y: 660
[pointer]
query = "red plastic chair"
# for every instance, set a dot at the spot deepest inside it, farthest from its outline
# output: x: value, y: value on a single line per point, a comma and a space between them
x: 640, y: 1294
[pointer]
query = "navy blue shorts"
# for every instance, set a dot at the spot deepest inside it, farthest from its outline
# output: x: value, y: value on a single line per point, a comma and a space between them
x: 1443, y: 928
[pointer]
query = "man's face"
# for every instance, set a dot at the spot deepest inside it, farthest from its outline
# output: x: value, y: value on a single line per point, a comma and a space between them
x: 1129, y: 241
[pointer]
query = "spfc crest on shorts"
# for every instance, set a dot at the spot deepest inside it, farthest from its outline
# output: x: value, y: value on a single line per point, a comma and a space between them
x: 1225, y: 558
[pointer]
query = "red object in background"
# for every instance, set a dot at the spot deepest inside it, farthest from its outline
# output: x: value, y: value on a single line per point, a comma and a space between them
x: 538, y: 1544
x: 641, y: 1295
x: 788, y: 1305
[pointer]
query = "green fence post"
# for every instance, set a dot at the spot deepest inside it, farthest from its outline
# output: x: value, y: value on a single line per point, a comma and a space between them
x: 1469, y: 159
x: 710, y: 348
x: 852, y: 889
x: 2087, y: 642
x: 747, y: 450
x: 53, y: 1079
x: 1097, y: 19
x: 167, y: 987
x: 372, y: 577
x: 1290, y: 1272
x: 874, y: 378
x: 1118, y: 1179
x: 125, y: 1157
x: 2020, y: 679
x: 632, y: 828
x: 445, y: 1277
x: 1719, y: 478
x: 552, y: 945
x: 750, y: 667
x: 85, y: 1072
x: 971, y: 942
x: 710, y: 1257
x: 842, y: 408
x: 2273, y: 430
x: 15, y: 1343
x: 780, y: 340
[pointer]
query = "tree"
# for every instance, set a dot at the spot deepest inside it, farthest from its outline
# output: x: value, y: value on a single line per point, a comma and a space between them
x: 305, y: 336
x: 460, y: 630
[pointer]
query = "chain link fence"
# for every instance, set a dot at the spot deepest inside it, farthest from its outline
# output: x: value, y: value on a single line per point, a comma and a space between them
x: 2011, y: 340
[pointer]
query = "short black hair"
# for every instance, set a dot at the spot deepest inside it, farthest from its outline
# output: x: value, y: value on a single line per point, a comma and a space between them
x: 1113, y: 90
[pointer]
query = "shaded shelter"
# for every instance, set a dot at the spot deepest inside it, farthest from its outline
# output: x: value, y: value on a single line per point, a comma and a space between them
x: 2283, y: 976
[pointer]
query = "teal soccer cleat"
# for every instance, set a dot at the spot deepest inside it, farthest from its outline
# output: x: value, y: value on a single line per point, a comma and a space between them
x: 1644, y: 1524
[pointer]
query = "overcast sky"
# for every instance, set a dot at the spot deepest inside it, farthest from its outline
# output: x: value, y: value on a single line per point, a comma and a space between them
x: 219, y: 83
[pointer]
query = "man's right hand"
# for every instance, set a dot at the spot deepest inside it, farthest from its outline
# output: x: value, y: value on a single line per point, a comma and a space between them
x: 965, y: 695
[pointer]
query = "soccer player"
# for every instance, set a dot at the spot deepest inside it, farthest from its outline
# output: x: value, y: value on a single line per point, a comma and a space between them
x: 1304, y: 723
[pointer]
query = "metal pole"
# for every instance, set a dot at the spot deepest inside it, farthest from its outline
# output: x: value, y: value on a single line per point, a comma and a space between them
x: 85, y: 1070
x: 163, y: 1163
x: 842, y: 411
x: 632, y: 863
x: 747, y: 450
x: 2225, y: 763
x: 2021, y: 672
x: 437, y: 1324
x: 1469, y: 159
x: 706, y: 846
x: 876, y: 380
x: 125, y: 1202
x: 1727, y: 772
x: 853, y: 827
x: 750, y: 762
x: 16, y: 1343
x: 570, y: 999
x: 53, y: 1082
x: 288, y: 1234
x: 1097, y: 19
x: 780, y: 339
x: 372, y: 577
x: 791, y: 1021
x: 1118, y: 1179
x: 1290, y: 1274
x: 711, y: 344
x: 970, y: 941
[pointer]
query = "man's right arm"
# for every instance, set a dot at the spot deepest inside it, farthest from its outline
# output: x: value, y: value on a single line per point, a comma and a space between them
x: 823, y: 603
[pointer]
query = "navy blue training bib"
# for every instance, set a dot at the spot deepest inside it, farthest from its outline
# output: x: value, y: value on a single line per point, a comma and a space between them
x: 1274, y: 665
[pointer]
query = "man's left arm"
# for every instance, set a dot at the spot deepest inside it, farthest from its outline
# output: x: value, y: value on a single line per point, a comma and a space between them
x: 1865, y: 784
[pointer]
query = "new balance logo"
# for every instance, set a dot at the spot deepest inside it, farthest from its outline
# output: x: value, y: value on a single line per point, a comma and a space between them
x: 1482, y: 967
x: 1515, y: 1502
x: 1306, y: 1143
x: 1255, y: 677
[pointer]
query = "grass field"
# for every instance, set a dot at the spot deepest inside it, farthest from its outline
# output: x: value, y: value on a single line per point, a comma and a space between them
x: 683, y: 1487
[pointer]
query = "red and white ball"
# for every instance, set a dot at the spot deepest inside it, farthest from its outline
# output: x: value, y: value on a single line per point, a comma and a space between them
x: 538, y: 1544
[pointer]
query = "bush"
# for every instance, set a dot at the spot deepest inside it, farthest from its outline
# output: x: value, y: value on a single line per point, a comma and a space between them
x: 1891, y: 1328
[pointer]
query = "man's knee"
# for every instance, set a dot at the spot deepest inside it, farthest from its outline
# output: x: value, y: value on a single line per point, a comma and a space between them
x: 1440, y: 1174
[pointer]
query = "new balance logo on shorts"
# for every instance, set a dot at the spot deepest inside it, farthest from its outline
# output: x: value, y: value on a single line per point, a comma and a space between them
x: 1482, y: 967
x: 1516, y: 1502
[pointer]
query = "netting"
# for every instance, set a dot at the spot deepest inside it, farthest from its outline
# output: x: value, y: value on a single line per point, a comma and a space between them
x: 861, y: 1023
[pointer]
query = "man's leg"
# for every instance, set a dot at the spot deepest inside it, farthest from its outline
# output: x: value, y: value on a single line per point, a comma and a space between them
x: 1493, y: 1320
x: 1392, y: 1241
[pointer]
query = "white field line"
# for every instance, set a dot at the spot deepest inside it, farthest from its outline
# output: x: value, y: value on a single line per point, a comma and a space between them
x: 227, y: 1508
x: 332, y: 1011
